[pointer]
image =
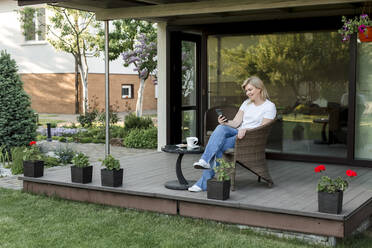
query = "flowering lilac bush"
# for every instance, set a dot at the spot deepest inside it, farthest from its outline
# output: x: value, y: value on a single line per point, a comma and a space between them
x: 350, y: 26
x: 143, y: 57
x: 62, y: 131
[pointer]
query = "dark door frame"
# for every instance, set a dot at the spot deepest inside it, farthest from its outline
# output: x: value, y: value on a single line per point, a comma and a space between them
x: 175, y: 83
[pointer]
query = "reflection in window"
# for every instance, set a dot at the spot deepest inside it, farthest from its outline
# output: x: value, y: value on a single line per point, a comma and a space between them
x: 363, y: 112
x: 306, y: 75
x: 188, y: 73
x: 188, y: 127
x: 33, y: 23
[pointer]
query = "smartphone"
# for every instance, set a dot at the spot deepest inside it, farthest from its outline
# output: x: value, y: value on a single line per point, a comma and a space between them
x: 219, y: 112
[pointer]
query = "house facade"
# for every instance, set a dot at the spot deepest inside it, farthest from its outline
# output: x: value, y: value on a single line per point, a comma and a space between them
x: 321, y: 86
x: 49, y: 75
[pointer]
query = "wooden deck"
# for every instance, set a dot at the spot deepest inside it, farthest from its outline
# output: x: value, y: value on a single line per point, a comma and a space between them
x: 290, y: 205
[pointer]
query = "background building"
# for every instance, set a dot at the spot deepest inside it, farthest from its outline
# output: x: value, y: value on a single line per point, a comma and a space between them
x: 49, y: 75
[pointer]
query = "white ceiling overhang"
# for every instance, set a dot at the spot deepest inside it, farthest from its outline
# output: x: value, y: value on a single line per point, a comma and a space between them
x: 189, y: 12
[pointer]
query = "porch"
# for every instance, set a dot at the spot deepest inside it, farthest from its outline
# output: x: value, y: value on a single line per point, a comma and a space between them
x: 291, y: 204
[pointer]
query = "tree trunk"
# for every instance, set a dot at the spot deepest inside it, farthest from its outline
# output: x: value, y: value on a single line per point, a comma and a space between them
x: 83, y: 69
x: 140, y: 97
x: 77, y: 109
x: 85, y: 88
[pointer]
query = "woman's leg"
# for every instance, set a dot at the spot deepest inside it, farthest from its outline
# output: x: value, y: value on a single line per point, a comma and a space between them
x: 217, y: 141
x: 209, y: 173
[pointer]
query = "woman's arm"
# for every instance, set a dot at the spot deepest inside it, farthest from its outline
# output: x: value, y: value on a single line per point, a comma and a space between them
x: 241, y: 132
x: 235, y: 123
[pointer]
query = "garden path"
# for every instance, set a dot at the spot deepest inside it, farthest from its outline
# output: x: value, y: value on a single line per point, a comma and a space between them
x: 94, y: 151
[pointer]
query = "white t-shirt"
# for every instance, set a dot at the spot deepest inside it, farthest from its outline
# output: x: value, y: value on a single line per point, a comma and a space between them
x: 254, y: 115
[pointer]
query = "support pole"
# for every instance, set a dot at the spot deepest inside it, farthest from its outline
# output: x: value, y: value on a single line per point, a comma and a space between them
x: 107, y: 90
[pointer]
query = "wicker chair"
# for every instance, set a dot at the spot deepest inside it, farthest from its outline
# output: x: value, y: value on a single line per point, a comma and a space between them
x: 211, y: 122
x: 249, y: 152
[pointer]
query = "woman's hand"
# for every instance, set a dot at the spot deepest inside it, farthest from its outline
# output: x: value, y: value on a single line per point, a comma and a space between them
x: 222, y: 120
x: 241, y: 133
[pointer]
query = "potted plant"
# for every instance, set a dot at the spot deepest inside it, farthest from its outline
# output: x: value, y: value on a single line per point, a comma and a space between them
x: 81, y: 171
x: 360, y: 24
x: 330, y: 191
x: 219, y: 188
x: 33, y: 166
x: 112, y: 175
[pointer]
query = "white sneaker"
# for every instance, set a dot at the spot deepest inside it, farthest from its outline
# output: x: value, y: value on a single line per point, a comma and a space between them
x: 201, y: 164
x: 194, y: 188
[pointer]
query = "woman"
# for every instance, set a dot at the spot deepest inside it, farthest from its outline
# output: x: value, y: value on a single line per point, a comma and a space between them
x: 255, y: 111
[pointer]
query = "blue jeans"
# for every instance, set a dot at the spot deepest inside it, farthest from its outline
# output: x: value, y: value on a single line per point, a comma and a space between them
x: 222, y: 138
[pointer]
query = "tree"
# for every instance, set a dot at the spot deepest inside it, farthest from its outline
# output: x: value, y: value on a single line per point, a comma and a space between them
x: 72, y: 31
x: 135, y: 40
x: 17, y: 119
x: 290, y: 59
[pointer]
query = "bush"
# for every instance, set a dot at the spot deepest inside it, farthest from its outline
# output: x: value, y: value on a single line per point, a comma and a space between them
x: 50, y: 161
x: 142, y: 138
x: 17, y: 160
x: 87, y: 119
x: 110, y: 163
x: 132, y: 121
x: 17, y: 119
x: 65, y: 154
x: 80, y: 160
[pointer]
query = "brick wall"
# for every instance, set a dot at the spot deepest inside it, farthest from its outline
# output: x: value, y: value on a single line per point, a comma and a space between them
x: 55, y: 93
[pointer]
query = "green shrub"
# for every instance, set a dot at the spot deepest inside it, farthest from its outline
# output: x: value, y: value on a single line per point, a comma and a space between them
x: 65, y: 154
x: 62, y: 139
x: 53, y: 124
x: 4, y: 156
x: 50, y: 161
x: 110, y: 163
x: 80, y: 160
x: 85, y: 140
x: 17, y: 160
x: 98, y: 141
x: 41, y: 137
x: 17, y: 119
x: 87, y: 119
x: 142, y: 138
x: 132, y: 121
x: 70, y: 139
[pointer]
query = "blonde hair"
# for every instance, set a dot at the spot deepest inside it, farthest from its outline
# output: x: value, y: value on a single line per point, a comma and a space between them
x: 256, y: 82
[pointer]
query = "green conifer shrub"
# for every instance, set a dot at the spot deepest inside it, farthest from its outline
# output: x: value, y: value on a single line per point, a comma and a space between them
x: 17, y: 119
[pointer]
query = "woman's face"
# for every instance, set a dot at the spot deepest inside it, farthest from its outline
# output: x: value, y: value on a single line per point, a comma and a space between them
x: 252, y: 92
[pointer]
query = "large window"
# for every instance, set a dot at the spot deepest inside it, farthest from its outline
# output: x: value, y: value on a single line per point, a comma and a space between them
x: 33, y: 24
x: 363, y: 103
x: 307, y: 78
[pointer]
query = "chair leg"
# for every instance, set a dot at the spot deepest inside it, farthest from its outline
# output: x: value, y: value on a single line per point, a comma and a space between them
x: 259, y: 179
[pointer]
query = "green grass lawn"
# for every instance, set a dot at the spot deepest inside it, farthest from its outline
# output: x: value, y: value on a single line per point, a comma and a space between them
x: 37, y: 221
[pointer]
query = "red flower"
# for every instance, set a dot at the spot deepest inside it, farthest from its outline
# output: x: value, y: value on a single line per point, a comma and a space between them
x: 319, y: 168
x: 32, y: 143
x: 351, y: 173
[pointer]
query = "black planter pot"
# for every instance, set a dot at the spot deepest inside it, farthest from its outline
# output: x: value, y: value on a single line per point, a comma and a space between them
x: 330, y: 202
x: 81, y: 175
x: 33, y: 168
x: 112, y: 178
x: 219, y: 190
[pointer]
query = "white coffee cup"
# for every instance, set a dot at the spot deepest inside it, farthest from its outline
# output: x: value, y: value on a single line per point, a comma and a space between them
x: 192, y: 142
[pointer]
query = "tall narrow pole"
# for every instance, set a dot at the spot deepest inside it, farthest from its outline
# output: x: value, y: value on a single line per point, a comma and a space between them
x: 107, y: 90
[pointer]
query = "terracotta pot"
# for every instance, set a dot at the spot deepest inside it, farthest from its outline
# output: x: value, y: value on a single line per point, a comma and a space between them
x: 366, y: 36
